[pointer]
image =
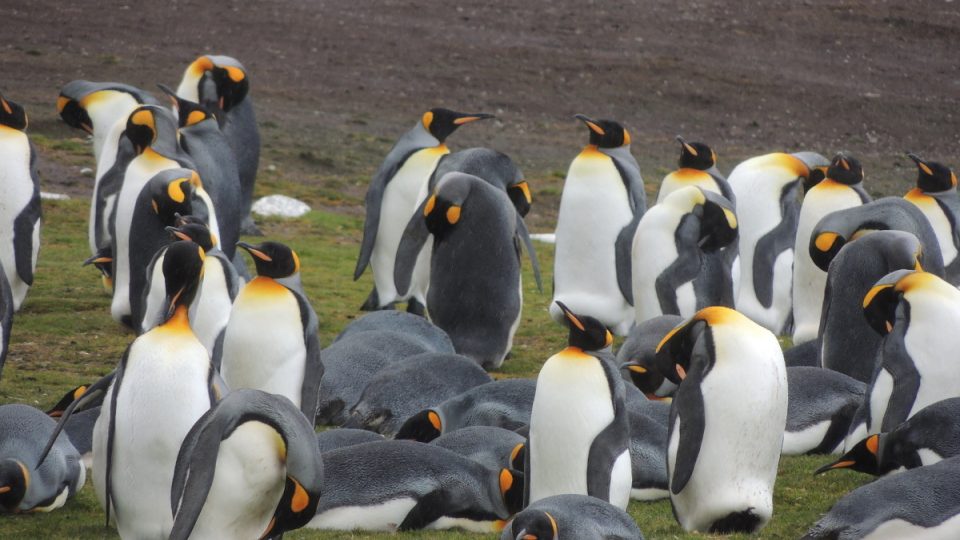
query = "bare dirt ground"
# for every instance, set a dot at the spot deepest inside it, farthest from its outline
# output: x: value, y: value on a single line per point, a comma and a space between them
x: 336, y: 83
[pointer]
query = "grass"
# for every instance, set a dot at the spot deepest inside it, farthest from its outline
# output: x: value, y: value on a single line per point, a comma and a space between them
x: 64, y: 336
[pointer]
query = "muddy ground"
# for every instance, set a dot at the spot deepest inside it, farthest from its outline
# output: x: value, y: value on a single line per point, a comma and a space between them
x: 335, y: 83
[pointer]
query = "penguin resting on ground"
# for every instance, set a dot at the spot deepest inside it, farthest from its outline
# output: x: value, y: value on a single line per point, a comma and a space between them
x: 571, y: 516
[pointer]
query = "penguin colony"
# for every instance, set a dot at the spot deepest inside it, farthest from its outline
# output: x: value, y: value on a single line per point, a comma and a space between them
x: 700, y: 285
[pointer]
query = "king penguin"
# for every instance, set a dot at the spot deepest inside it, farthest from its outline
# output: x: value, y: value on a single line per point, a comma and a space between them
x: 249, y: 468
x: 571, y: 516
x: 271, y: 340
x: 936, y: 196
x: 579, y: 432
x: 769, y: 190
x: 674, y: 239
x: 697, y: 167
x: 602, y: 202
x: 392, y: 198
x: 19, y: 201
x: 722, y: 456
x: 496, y: 168
x: 841, y: 189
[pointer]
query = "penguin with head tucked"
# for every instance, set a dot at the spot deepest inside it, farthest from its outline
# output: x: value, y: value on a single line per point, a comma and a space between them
x: 769, y: 190
x: 919, y: 503
x: 579, y: 431
x: 491, y: 446
x: 221, y: 84
x: 847, y: 343
x: 638, y: 353
x: 332, y: 439
x: 571, y: 516
x: 674, y: 239
x: 475, y: 291
x: 842, y: 188
x: 494, y: 167
x: 821, y: 405
x: 249, y: 468
x: 413, y: 326
x: 271, y: 341
x: 936, y: 196
x: 20, y: 193
x: 392, y: 197
x: 697, y: 167
x: 602, y: 202
x: 28, y: 484
x: 722, y: 456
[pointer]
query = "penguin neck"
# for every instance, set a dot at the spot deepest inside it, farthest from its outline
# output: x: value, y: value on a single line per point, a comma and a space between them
x: 179, y: 320
x: 575, y: 353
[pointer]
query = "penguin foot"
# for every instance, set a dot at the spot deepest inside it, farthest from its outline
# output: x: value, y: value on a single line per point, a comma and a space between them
x: 372, y: 303
x: 415, y: 307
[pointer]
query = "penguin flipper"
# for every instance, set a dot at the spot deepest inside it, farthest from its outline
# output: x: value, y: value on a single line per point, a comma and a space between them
x: 196, y: 467
x: 776, y: 241
x: 690, y: 411
x: 92, y: 397
x: 524, y: 235
x: 24, y: 225
x: 610, y: 443
x: 415, y: 235
x: 683, y: 269
x: 313, y: 367
x: 111, y: 433
x: 6, y: 316
x: 624, y: 262
x: 906, y: 379
x: 373, y: 202
x: 426, y: 511
x: 629, y: 171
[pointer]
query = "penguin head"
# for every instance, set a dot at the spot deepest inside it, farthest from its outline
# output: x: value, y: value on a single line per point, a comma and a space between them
x: 442, y: 210
x: 845, y: 170
x: 182, y: 271
x: 102, y: 261
x: 273, y: 259
x: 222, y: 81
x: 14, y: 482
x: 142, y: 128
x: 863, y: 457
x: 689, y: 348
x: 189, y: 113
x: 74, y: 114
x: 644, y: 376
x: 696, y: 155
x: 586, y: 333
x: 817, y: 175
x: 933, y: 177
x: 198, y: 233
x: 824, y: 247
x: 605, y: 133
x: 511, y: 489
x: 718, y: 222
x: 535, y: 525
x: 520, y: 196
x: 442, y: 122
x: 57, y: 410
x: 424, y: 427
x: 12, y: 115
x: 296, y: 508
x: 171, y: 193
x: 881, y: 301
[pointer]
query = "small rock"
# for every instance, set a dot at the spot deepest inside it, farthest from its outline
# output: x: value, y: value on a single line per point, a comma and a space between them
x: 86, y: 171
x: 546, y: 238
x: 271, y: 167
x: 280, y: 205
x: 53, y: 196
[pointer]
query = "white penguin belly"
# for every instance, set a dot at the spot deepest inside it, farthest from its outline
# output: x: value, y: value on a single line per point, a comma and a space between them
x: 163, y: 393
x: 400, y: 199
x: 800, y: 442
x: 571, y: 406
x: 897, y: 529
x: 879, y: 400
x: 686, y: 177
x: 386, y: 516
x: 809, y: 281
x: 594, y: 208
x: 16, y: 192
x: 941, y: 225
x: 263, y: 346
x: 105, y: 160
x: 210, y: 311
x: 247, y: 485
x: 654, y: 250
x: 930, y: 348
x: 466, y: 524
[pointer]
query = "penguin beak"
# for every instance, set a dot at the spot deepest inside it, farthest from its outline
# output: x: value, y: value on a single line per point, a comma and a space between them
x: 835, y: 465
x: 571, y: 317
x: 471, y: 118
x: 177, y: 233
x: 97, y: 259
x: 922, y: 165
x: 522, y: 535
x: 255, y: 252
x: 691, y: 150
x: 591, y: 124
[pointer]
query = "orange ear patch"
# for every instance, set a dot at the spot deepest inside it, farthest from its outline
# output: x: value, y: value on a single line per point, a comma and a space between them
x: 434, y: 419
x: 506, y: 480
x: 300, y: 498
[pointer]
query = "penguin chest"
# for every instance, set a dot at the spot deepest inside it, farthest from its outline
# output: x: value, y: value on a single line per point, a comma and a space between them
x: 571, y: 406
x: 682, y: 178
x: 654, y: 250
x: 16, y: 184
x: 931, y: 349
x: 263, y: 346
x: 938, y: 220
x: 594, y: 208
x: 210, y: 311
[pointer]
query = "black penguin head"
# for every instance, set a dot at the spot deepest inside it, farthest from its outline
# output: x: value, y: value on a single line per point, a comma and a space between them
x: 424, y: 427
x: 142, y: 128
x: 933, y: 177
x: 718, y: 222
x: 442, y: 211
x: 863, y: 457
x: 296, y: 508
x: 520, y: 196
x: 273, y: 259
x: 696, y: 155
x: 824, y: 247
x: 102, y: 261
x: 442, y: 122
x: 12, y: 115
x: 57, y: 410
x: 198, y: 233
x: 14, y: 481
x: 222, y: 81
x: 605, y: 133
x: 73, y: 113
x: 535, y: 525
x: 845, y: 170
x: 586, y: 333
x: 689, y: 348
x: 189, y: 113
x: 511, y: 489
x: 817, y: 175
x: 644, y: 376
x: 518, y: 456
x: 172, y: 196
x: 182, y: 270
x: 881, y: 301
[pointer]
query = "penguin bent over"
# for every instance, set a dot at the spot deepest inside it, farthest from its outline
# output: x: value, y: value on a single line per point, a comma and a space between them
x: 936, y: 196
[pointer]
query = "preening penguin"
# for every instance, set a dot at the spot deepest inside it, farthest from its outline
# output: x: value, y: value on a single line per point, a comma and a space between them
x: 571, y: 516
x: 579, y: 433
x: 674, y: 239
x: 249, y: 468
x: 602, y: 203
x: 474, y: 294
x: 98, y: 108
x: 491, y: 446
x: 638, y: 353
x: 271, y: 341
x: 769, y: 191
x: 936, y: 196
x: 722, y: 456
x: 392, y: 197
x: 19, y: 202
x: 496, y: 168
x: 842, y: 188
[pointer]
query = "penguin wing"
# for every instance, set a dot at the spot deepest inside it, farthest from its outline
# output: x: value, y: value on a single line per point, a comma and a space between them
x: 153, y: 295
x: 92, y: 397
x: 906, y: 379
x: 24, y: 225
x: 630, y: 174
x: 683, y: 269
x: 688, y: 406
x: 108, y: 186
x: 428, y: 509
x: 313, y: 367
x: 776, y: 241
x: 524, y: 235
x: 111, y: 432
x: 415, y: 235
x: 6, y: 316
x: 610, y: 443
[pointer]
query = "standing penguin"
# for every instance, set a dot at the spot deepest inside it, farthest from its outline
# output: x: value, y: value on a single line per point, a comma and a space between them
x: 496, y: 168
x: 671, y: 275
x: 936, y: 196
x: 474, y: 294
x: 721, y: 455
x: 394, y: 193
x: 602, y: 202
x: 841, y: 189
x: 271, y: 341
x: 163, y: 384
x: 697, y: 167
x: 19, y: 201
x: 249, y: 468
x: 769, y: 190
x: 220, y: 84
x: 579, y: 433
